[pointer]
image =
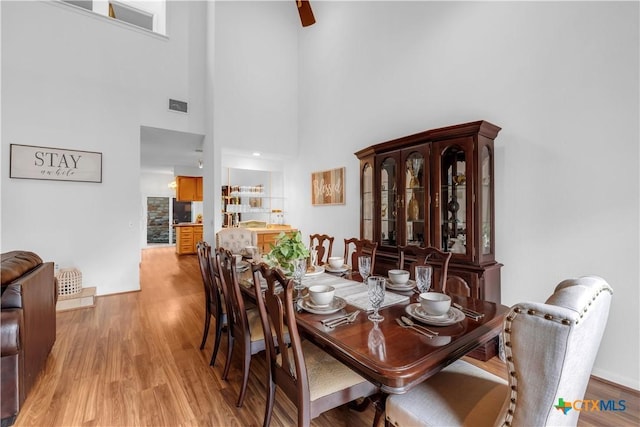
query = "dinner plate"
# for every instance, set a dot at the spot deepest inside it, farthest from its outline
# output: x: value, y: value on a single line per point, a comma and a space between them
x: 242, y: 266
x: 336, y: 305
x: 342, y: 269
x: 318, y: 269
x: 453, y: 316
x: 406, y: 287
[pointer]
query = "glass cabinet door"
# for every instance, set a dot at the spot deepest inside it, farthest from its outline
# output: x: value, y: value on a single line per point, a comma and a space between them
x: 486, y: 203
x: 416, y: 228
x: 367, y: 201
x: 454, y: 209
x: 388, y: 201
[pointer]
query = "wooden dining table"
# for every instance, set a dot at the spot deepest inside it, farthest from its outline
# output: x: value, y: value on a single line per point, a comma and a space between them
x: 393, y: 357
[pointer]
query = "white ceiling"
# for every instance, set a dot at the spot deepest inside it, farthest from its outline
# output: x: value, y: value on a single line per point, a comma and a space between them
x: 162, y: 150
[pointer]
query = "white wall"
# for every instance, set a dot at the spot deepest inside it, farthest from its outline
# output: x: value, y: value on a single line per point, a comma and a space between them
x: 75, y: 80
x: 560, y: 78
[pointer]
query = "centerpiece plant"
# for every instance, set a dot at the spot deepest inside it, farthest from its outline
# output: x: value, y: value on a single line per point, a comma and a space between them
x: 288, y: 247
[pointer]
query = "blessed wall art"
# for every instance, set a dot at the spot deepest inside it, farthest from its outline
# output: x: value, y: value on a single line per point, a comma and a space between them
x: 327, y: 187
x: 32, y: 162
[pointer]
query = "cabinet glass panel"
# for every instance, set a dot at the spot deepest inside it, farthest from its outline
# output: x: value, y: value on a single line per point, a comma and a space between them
x: 388, y: 199
x: 485, y: 185
x: 367, y: 201
x: 414, y: 199
x: 454, y: 207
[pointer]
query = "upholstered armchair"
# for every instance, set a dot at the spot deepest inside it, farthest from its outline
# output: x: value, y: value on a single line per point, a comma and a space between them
x: 235, y: 239
x: 550, y: 349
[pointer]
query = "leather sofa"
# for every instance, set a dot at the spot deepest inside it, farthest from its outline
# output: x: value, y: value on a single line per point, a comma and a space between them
x: 28, y: 326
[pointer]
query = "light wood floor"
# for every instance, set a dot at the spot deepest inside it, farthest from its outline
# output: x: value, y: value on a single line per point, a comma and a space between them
x: 134, y: 360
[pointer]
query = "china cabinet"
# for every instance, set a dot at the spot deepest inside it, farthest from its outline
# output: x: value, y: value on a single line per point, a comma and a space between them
x: 435, y: 188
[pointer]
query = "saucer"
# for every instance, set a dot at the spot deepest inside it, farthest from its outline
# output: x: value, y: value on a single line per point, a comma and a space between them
x: 452, y: 316
x: 406, y: 287
x: 336, y: 305
x: 342, y: 269
x: 318, y: 269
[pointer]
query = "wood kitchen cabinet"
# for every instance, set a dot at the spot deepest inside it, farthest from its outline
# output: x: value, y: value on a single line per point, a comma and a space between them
x: 189, y: 188
x: 187, y: 237
x: 435, y: 188
x: 268, y: 236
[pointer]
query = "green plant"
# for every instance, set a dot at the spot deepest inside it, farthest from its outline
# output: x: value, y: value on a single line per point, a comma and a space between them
x: 287, y: 248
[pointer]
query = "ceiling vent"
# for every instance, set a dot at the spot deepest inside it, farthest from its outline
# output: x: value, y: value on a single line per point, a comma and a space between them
x: 176, y: 105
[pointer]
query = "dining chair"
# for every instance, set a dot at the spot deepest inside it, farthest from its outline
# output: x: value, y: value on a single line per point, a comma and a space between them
x: 244, y: 327
x: 354, y: 247
x: 312, y: 379
x: 236, y: 239
x: 411, y: 256
x: 323, y: 244
x: 550, y: 349
x: 213, y: 300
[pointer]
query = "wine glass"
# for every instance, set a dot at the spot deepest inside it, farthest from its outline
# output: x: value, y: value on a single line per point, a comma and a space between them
x: 364, y: 267
x: 423, y: 277
x: 299, y: 268
x: 375, y: 290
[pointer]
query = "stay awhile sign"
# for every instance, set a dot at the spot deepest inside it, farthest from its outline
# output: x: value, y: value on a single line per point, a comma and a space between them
x: 31, y: 162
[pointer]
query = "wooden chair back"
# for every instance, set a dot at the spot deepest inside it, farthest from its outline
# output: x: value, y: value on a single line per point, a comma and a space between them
x: 287, y: 368
x: 354, y: 247
x: 411, y: 256
x: 213, y: 299
x: 242, y: 330
x: 323, y: 244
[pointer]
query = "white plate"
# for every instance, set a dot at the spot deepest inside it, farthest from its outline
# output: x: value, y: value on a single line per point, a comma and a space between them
x: 318, y: 270
x: 342, y: 269
x: 242, y: 266
x: 453, y: 316
x: 336, y: 305
x: 406, y: 287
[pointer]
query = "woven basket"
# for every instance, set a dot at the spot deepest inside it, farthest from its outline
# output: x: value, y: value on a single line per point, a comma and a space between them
x: 69, y: 281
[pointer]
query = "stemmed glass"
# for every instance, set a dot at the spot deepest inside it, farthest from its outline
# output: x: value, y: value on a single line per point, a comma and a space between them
x: 364, y: 267
x: 299, y: 268
x: 423, y: 277
x: 375, y: 289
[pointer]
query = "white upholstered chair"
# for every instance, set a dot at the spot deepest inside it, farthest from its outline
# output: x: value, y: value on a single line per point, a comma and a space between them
x: 550, y: 349
x: 235, y: 239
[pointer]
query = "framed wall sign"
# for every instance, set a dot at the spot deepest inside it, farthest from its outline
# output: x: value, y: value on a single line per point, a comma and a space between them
x: 327, y: 187
x: 32, y: 162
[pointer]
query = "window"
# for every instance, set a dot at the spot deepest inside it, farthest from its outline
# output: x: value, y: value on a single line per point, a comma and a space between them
x: 150, y: 15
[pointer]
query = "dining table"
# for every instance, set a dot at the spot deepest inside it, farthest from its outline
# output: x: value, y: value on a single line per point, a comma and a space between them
x: 394, y: 357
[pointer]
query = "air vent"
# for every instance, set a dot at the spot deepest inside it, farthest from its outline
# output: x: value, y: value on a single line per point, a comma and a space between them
x: 176, y: 105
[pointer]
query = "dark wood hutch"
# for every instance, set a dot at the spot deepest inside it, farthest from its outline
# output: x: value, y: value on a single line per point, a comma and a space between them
x: 435, y: 188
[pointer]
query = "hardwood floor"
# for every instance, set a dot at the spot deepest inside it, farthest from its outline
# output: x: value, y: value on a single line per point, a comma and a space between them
x: 134, y: 360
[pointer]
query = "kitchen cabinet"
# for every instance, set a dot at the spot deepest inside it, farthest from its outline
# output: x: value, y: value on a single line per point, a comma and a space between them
x: 435, y: 188
x: 189, y: 188
x: 268, y: 236
x: 187, y: 237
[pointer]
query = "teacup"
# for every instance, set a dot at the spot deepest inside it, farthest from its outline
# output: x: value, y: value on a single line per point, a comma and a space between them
x: 238, y: 259
x: 435, y: 303
x: 399, y: 277
x: 335, y: 261
x: 321, y: 295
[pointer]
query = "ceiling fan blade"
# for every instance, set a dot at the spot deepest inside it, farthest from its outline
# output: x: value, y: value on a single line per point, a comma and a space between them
x: 305, y: 12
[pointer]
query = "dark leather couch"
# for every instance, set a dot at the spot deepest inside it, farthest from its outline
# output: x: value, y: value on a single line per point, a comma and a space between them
x: 28, y: 326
